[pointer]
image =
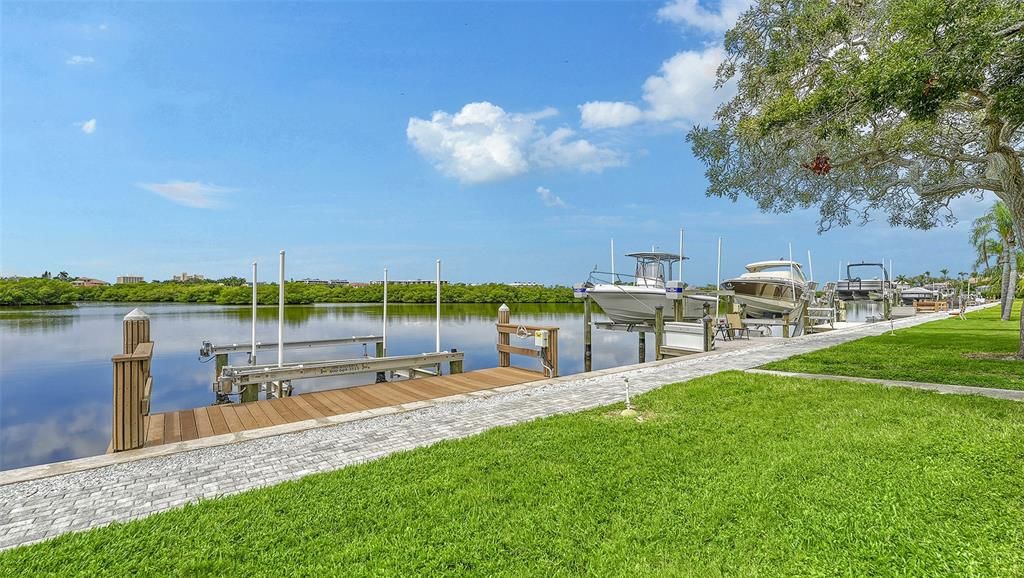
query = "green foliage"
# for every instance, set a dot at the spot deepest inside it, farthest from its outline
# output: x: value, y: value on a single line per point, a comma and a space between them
x: 37, y: 291
x: 53, y: 292
x: 933, y: 352
x: 732, y: 474
x: 866, y: 106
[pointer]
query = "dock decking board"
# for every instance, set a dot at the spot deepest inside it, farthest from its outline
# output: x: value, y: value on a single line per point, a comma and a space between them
x: 201, y: 422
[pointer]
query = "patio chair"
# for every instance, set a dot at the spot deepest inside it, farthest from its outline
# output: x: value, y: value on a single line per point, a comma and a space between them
x: 736, y: 326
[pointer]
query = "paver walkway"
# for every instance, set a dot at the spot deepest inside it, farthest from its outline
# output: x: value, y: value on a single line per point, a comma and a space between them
x: 1008, y: 394
x: 38, y: 509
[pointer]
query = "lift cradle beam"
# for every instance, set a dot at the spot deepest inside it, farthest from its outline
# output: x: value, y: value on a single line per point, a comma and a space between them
x: 209, y: 350
x: 247, y: 374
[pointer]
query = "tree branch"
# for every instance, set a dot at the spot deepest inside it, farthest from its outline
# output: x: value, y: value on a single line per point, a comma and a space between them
x: 957, y: 186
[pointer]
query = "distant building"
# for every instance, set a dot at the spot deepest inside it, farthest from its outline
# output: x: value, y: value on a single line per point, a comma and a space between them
x: 88, y: 282
x: 188, y: 277
x: 409, y: 282
x: 331, y: 283
x: 126, y: 279
x: 524, y: 284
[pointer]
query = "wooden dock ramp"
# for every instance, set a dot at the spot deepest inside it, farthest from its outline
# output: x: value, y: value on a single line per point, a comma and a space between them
x: 190, y: 424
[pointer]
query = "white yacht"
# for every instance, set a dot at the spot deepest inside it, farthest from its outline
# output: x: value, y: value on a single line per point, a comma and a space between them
x: 634, y: 302
x: 769, y: 288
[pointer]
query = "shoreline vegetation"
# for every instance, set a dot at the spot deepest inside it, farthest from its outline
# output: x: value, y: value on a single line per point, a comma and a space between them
x: 37, y: 291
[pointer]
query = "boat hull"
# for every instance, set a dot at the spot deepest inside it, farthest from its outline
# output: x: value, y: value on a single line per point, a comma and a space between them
x: 765, y: 298
x: 631, y: 304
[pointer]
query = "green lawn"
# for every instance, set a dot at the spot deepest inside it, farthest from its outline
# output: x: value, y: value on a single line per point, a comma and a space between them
x: 933, y: 352
x: 729, y: 474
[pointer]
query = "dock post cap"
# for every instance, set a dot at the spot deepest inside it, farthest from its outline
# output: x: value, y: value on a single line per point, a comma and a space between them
x: 503, y: 307
x: 136, y: 314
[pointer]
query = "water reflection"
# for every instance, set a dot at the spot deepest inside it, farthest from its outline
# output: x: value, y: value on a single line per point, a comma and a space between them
x: 55, y: 373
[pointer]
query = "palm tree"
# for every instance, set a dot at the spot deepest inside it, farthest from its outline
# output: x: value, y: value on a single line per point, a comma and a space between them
x: 945, y: 274
x: 994, y: 232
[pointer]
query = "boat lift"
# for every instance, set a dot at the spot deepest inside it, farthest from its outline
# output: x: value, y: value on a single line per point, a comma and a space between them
x: 276, y: 378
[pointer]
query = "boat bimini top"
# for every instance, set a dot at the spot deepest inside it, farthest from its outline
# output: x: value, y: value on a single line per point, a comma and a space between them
x: 650, y: 268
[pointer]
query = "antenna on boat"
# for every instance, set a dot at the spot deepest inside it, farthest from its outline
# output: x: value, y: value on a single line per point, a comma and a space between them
x: 810, y: 265
x: 437, y: 335
x: 252, y: 356
x: 384, y: 329
x: 280, y: 313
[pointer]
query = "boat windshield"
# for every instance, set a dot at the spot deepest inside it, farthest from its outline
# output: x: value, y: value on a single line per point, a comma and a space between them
x: 650, y: 273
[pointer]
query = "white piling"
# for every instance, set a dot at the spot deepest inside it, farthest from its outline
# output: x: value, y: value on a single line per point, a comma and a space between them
x: 613, y: 261
x: 437, y: 336
x: 384, y: 330
x: 680, y: 255
x: 252, y: 357
x: 280, y: 312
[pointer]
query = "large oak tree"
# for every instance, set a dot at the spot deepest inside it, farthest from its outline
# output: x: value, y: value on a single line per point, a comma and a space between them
x: 864, y: 107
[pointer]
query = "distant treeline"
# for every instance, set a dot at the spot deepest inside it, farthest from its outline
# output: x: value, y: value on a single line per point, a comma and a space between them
x: 36, y: 291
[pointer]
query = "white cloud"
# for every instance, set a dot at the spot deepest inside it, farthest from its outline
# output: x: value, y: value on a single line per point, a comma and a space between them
x: 691, y: 13
x: 89, y: 126
x: 560, y: 149
x: 189, y: 193
x: 597, y: 114
x: 78, y: 59
x: 683, y: 90
x: 550, y: 199
x: 482, y: 142
x: 685, y: 87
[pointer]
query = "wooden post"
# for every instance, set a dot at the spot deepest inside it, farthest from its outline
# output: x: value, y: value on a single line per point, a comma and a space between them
x: 642, y: 347
x: 132, y: 383
x: 678, y: 309
x: 134, y: 330
x: 220, y: 362
x: 659, y: 330
x: 553, y: 352
x: 454, y: 366
x: 709, y: 333
x: 381, y: 377
x: 587, y: 337
x: 785, y: 325
x: 504, y: 358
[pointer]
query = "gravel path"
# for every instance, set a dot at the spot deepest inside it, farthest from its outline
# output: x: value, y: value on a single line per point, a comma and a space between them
x: 39, y: 509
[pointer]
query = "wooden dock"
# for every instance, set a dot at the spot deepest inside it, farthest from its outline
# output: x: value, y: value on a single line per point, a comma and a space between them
x: 190, y: 424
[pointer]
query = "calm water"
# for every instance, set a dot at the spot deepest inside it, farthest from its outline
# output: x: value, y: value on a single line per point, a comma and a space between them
x: 55, y: 370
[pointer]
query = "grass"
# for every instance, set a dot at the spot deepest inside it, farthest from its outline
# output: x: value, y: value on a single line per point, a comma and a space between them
x: 934, y: 352
x: 729, y: 474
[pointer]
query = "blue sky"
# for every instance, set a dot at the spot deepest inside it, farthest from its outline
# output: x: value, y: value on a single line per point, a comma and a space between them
x: 511, y: 140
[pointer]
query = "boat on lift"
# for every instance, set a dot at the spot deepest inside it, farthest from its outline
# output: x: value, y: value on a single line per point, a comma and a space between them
x: 857, y: 287
x: 633, y: 302
x: 769, y: 288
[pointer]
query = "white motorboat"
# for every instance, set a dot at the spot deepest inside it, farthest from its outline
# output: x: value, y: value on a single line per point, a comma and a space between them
x: 635, y: 303
x: 768, y: 288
